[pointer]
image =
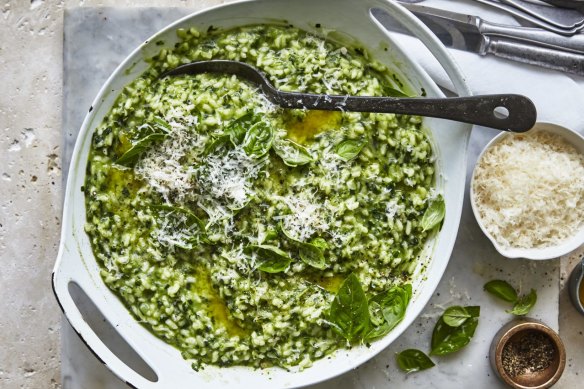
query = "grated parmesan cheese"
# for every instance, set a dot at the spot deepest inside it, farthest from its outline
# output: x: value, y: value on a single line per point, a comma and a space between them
x: 306, y: 217
x: 226, y: 178
x: 162, y: 166
x: 529, y: 190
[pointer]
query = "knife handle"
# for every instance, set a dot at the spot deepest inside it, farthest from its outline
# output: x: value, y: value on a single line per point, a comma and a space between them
x: 539, y: 56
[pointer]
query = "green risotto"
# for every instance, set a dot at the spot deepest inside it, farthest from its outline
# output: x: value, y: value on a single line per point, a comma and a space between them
x: 242, y: 233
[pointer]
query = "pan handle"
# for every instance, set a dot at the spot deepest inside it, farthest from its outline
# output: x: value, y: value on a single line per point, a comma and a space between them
x: 60, y: 280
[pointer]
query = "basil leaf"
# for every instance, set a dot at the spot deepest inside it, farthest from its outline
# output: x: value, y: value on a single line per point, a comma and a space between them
x: 292, y: 153
x: 350, y: 148
x: 434, y: 214
x: 455, y: 316
x: 272, y: 259
x: 179, y: 219
x: 375, y: 314
x: 393, y: 92
x: 391, y: 307
x: 502, y: 290
x: 161, y: 124
x: 223, y: 139
x: 190, y: 216
x: 320, y: 243
x: 394, y: 304
x: 412, y: 360
x: 312, y: 255
x: 238, y: 128
x: 138, y: 147
x: 258, y: 140
x: 524, y: 304
x: 349, y: 313
x: 447, y: 339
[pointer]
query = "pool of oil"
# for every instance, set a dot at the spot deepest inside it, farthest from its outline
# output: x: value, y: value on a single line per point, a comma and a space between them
x: 313, y: 123
x: 215, y: 306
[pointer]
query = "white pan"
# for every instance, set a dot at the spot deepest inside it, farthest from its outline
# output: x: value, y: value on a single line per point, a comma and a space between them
x: 349, y: 19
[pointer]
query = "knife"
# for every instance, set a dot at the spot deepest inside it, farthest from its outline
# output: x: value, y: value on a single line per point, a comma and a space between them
x: 469, y: 24
x: 460, y: 32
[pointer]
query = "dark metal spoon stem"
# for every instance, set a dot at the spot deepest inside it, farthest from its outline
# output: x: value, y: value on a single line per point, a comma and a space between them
x: 515, y: 113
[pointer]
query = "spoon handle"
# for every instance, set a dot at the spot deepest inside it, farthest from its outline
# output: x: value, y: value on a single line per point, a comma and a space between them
x: 508, y: 112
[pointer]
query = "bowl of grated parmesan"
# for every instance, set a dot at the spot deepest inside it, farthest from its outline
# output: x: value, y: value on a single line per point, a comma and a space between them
x: 527, y: 192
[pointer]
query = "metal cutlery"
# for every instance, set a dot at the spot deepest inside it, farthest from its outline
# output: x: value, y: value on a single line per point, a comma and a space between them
x: 456, y: 23
x: 559, y: 17
x: 482, y: 110
x: 466, y: 32
x: 520, y: 15
x: 571, y: 4
x: 537, y: 20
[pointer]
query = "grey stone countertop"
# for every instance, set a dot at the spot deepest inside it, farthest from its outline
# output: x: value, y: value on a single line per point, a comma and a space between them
x: 33, y: 123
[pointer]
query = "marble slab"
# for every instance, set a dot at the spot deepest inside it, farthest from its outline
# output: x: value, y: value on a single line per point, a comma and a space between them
x: 97, y: 39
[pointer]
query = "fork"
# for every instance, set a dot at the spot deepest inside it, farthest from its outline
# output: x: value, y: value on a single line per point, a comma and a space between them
x: 561, y: 18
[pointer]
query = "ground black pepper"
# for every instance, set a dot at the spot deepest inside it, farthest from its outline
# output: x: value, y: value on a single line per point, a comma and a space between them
x: 529, y: 353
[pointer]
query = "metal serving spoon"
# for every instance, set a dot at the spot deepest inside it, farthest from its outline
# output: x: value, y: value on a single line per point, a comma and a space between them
x: 506, y: 112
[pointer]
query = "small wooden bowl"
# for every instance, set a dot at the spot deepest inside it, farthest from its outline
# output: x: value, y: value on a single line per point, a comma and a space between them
x: 537, y: 380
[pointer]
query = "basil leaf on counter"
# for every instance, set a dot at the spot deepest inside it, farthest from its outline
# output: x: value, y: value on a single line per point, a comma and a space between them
x: 138, y: 147
x: 258, y: 140
x: 349, y: 312
x: 524, y: 304
x: 412, y: 360
x: 271, y: 258
x: 238, y: 128
x: 502, y: 290
x: 387, y: 309
x: 434, y: 214
x: 292, y: 153
x: 455, y: 316
x: 350, y: 148
x: 447, y: 339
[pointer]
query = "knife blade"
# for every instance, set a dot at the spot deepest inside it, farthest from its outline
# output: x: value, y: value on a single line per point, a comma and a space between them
x: 474, y: 26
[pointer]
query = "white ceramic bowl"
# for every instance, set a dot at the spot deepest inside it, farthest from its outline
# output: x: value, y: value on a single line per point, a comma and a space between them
x: 351, y: 21
x: 551, y: 252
